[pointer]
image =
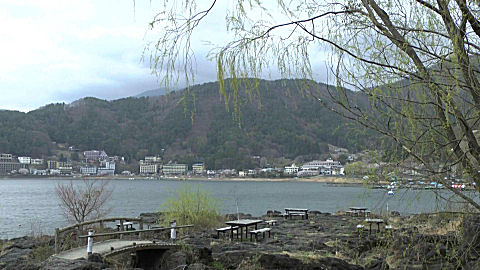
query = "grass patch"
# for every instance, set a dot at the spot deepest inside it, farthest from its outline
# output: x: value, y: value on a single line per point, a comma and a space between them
x: 41, y: 253
x: 192, y: 206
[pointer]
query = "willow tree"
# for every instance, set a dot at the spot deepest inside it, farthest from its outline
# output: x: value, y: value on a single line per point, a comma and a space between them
x: 416, y: 62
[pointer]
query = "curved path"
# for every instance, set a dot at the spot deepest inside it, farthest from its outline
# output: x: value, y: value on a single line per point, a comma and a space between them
x: 99, y: 247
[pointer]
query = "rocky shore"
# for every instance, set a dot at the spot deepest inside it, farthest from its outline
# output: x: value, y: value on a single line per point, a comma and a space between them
x: 324, y: 241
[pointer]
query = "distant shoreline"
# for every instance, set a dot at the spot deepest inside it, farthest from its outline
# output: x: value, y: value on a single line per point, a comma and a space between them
x: 316, y: 179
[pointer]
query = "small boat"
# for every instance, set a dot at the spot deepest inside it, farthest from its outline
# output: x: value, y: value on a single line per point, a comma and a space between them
x: 390, y: 192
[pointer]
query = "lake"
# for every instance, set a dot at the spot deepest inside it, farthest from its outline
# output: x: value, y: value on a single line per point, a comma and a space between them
x: 30, y: 205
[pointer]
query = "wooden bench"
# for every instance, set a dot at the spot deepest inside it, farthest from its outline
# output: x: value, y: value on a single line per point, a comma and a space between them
x: 297, y: 214
x: 271, y: 222
x: 350, y: 213
x: 259, y: 231
x: 226, y: 229
x: 128, y: 226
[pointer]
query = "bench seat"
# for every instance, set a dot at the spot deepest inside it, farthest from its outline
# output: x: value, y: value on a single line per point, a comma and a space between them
x: 259, y: 231
x: 226, y: 229
x: 297, y: 214
x: 271, y: 222
x: 350, y: 213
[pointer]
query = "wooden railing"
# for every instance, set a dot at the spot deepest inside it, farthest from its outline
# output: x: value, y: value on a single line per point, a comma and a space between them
x: 78, y: 229
x: 137, y: 231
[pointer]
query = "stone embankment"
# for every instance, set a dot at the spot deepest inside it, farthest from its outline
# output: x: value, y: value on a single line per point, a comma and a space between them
x: 324, y: 241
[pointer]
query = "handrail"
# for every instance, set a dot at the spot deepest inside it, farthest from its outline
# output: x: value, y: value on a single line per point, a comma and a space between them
x: 79, y: 226
x: 136, y: 231
x: 97, y: 221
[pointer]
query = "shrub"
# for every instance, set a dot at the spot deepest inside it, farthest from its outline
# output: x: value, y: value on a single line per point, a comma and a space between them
x: 192, y: 206
x: 41, y: 253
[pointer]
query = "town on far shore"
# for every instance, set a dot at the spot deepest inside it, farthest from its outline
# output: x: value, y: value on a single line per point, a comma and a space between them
x: 69, y: 161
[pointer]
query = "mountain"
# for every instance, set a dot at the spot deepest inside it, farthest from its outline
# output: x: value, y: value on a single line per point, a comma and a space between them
x: 275, y: 122
x: 155, y: 92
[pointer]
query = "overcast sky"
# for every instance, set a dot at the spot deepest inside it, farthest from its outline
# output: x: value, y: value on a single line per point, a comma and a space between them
x: 60, y: 51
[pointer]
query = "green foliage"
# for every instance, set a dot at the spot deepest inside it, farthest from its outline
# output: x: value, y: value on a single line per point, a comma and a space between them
x: 218, y: 265
x: 192, y: 206
x: 41, y: 253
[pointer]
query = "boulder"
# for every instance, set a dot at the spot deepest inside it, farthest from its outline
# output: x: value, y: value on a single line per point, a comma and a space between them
x: 333, y: 264
x: 16, y: 258
x: 377, y: 264
x: 151, y: 218
x: 395, y: 213
x: 204, y: 256
x: 236, y: 216
x: 80, y: 264
x: 197, y: 266
x: 175, y: 260
x: 95, y: 257
x: 279, y: 261
x: 273, y: 213
x: 232, y: 259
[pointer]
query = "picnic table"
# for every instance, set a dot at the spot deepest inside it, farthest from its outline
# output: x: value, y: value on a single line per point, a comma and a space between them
x: 296, y: 212
x: 243, y: 223
x: 355, y: 210
x: 378, y: 221
x: 127, y: 225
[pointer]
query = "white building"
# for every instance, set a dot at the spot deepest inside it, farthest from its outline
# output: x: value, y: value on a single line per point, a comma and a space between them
x: 327, y: 167
x: 153, y: 159
x: 198, y: 168
x: 24, y: 160
x: 36, y: 161
x: 308, y: 172
x: 109, y: 169
x: 95, y: 155
x: 148, y: 168
x: 175, y: 169
x: 90, y: 170
x: 291, y: 169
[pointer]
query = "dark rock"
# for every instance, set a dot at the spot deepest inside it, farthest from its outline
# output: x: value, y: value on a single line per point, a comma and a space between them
x: 377, y: 264
x: 95, y: 257
x: 174, y: 260
x: 236, y: 216
x: 317, y: 245
x: 395, y: 213
x: 273, y: 213
x: 442, y: 250
x: 197, y: 266
x: 81, y: 264
x: 231, y: 259
x: 283, y: 261
x: 204, y: 256
x: 151, y: 218
x: 334, y: 264
x: 277, y: 261
x: 15, y: 258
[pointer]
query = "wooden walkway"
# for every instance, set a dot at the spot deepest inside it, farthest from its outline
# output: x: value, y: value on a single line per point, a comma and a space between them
x: 100, y: 247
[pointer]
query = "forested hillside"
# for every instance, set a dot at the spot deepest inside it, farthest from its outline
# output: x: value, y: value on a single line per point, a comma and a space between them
x: 275, y: 121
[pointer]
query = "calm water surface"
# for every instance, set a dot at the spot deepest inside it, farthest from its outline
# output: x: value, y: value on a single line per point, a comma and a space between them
x: 31, y: 205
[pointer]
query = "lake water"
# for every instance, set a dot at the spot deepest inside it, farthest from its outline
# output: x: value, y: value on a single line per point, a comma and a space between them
x: 30, y: 205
